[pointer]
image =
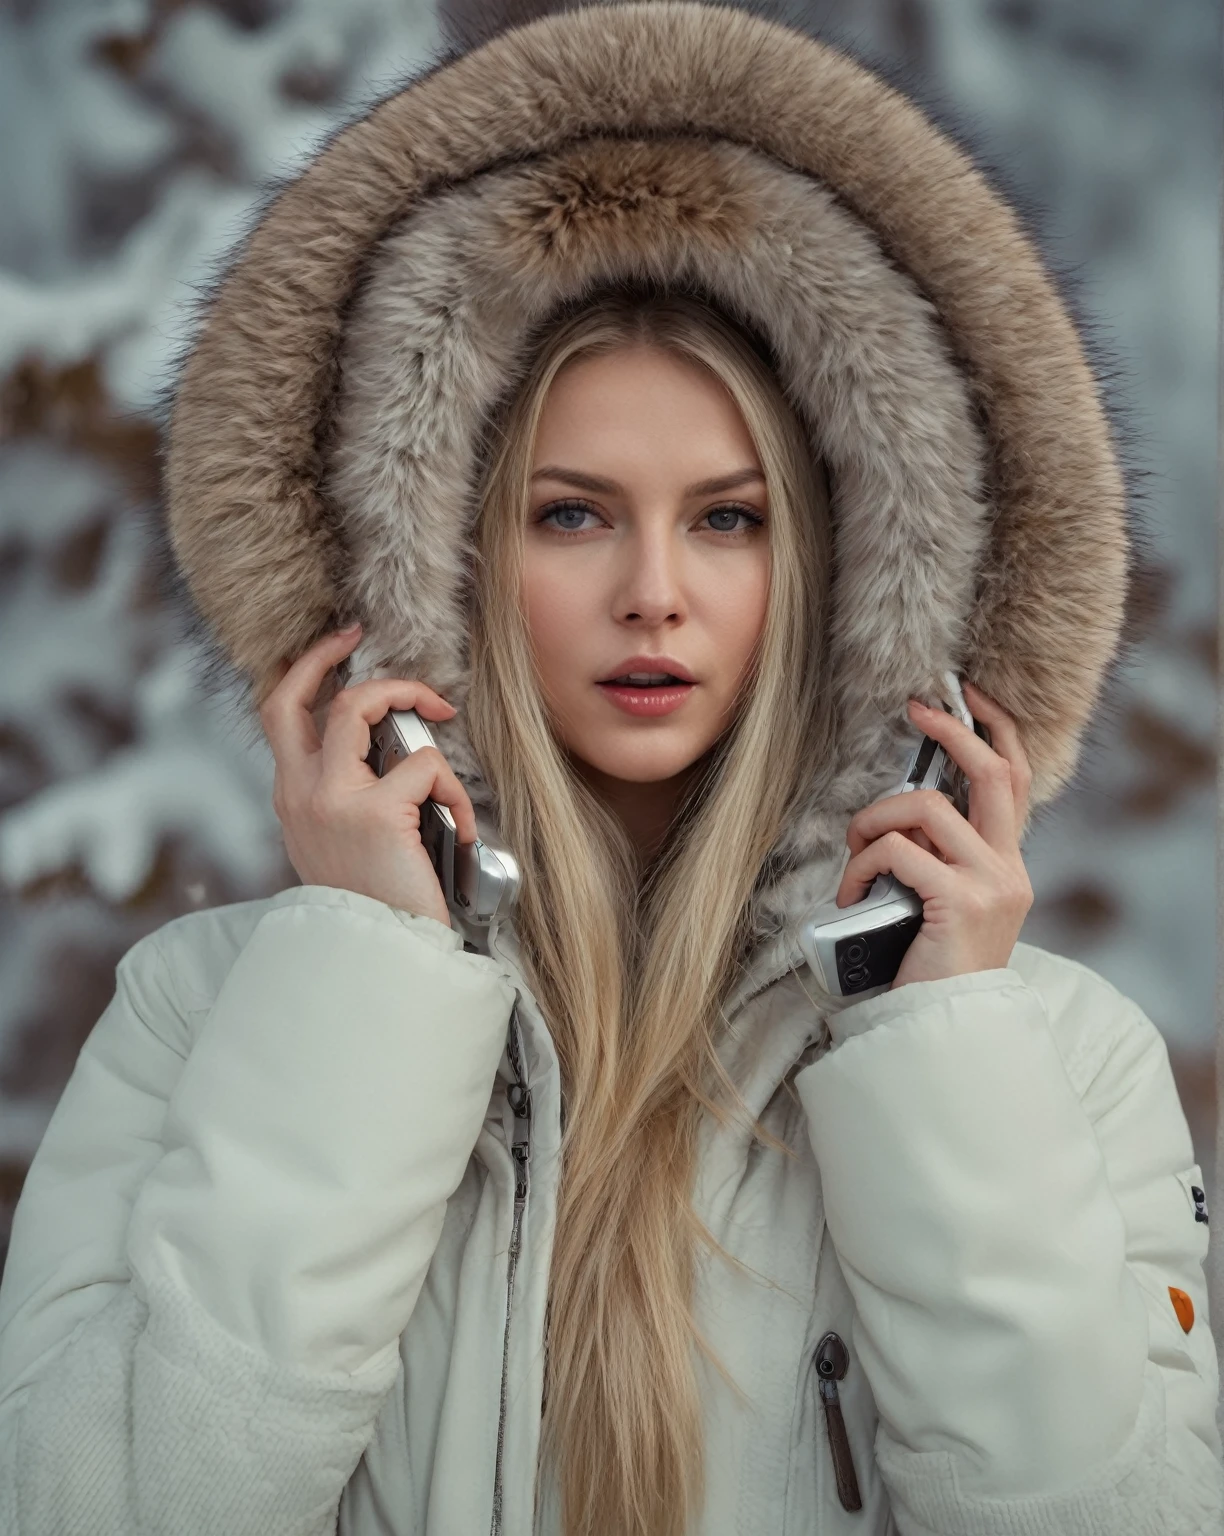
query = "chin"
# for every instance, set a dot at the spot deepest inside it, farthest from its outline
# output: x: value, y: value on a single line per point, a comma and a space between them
x: 641, y: 762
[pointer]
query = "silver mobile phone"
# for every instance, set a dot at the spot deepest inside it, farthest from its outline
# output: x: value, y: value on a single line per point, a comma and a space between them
x: 852, y: 949
x: 479, y: 881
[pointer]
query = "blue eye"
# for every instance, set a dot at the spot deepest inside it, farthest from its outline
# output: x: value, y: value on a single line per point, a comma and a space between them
x: 754, y: 518
x: 560, y: 509
x: 567, y: 517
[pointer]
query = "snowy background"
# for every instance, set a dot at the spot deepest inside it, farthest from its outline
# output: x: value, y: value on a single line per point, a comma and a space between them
x: 134, y: 137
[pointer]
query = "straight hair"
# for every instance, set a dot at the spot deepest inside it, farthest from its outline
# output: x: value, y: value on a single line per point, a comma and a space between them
x: 630, y: 962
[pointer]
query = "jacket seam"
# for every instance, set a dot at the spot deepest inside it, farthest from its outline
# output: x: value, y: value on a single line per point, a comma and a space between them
x: 173, y: 991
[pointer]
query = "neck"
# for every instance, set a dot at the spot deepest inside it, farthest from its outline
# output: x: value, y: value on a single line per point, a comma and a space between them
x: 645, y: 810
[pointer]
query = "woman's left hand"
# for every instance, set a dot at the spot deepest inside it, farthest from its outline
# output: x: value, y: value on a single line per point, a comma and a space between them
x: 974, y: 887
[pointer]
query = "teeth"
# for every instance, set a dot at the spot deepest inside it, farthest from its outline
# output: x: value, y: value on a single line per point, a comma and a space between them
x: 645, y: 677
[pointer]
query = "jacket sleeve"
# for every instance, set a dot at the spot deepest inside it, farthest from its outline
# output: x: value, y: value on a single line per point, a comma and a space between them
x: 1009, y: 1236
x: 220, y: 1239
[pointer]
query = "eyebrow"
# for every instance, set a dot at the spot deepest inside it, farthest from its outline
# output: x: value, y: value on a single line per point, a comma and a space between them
x: 599, y: 485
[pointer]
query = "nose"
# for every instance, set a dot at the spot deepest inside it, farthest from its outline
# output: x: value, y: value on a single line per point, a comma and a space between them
x: 650, y: 590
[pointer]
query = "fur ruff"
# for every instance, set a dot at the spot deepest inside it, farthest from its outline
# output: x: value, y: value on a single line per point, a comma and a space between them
x: 327, y: 425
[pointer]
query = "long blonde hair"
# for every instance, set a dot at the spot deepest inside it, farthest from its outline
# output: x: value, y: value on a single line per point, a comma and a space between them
x: 630, y: 964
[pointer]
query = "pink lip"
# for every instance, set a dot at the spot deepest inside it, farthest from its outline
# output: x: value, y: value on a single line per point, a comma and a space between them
x: 639, y: 700
x: 647, y: 701
x: 649, y: 664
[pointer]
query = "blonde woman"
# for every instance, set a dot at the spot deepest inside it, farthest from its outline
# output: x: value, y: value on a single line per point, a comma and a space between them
x: 658, y: 489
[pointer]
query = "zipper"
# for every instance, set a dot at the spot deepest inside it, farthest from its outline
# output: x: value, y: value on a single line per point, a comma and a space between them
x: 519, y: 1095
x: 832, y: 1360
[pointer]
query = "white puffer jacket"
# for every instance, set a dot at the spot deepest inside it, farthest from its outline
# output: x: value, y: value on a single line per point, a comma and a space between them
x: 279, y: 1265
x: 269, y: 1277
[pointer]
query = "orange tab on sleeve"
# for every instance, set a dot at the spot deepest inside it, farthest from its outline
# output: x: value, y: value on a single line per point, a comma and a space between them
x: 1184, y: 1308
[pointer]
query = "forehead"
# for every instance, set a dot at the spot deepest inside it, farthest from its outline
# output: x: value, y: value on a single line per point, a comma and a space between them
x: 641, y: 403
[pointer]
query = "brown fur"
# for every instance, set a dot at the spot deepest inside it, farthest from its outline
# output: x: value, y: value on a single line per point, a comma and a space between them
x: 465, y: 204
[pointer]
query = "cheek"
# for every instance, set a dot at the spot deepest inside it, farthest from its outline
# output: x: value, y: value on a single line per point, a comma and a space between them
x: 736, y: 601
x: 558, y: 601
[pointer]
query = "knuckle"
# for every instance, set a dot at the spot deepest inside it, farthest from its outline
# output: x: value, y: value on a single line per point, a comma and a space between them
x: 320, y: 804
x: 1000, y: 769
x: 977, y: 901
x: 416, y: 774
x: 353, y: 696
x: 379, y: 687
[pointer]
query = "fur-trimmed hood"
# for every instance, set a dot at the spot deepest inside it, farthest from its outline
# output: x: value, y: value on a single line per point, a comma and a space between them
x: 326, y: 427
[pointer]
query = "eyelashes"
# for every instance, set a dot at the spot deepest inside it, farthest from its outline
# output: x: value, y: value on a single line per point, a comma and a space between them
x: 755, y: 520
x: 573, y: 504
x: 547, y: 513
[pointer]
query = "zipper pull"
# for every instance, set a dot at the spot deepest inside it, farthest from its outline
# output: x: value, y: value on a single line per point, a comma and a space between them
x: 832, y: 1362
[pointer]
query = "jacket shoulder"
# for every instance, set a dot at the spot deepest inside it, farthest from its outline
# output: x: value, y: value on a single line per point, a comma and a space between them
x: 1091, y: 1020
x: 1063, y: 982
x: 183, y: 963
x: 198, y: 949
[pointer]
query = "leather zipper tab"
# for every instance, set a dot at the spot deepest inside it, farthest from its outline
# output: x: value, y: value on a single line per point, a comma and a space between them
x: 832, y: 1360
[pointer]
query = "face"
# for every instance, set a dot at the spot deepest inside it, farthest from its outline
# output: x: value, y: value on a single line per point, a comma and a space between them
x: 646, y: 552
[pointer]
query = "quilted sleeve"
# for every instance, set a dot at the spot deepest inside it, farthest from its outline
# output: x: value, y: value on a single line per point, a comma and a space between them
x: 227, y: 1223
x: 1009, y: 1236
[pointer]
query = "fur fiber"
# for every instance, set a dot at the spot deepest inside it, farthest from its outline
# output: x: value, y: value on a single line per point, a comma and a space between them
x: 328, y: 422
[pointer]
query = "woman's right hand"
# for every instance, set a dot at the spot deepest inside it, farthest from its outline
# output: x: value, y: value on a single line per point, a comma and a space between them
x: 343, y: 825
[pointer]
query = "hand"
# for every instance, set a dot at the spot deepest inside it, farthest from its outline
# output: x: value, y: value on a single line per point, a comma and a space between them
x: 343, y: 825
x: 974, y: 887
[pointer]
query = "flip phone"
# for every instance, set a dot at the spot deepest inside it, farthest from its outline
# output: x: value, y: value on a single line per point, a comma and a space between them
x: 480, y: 882
x: 852, y: 949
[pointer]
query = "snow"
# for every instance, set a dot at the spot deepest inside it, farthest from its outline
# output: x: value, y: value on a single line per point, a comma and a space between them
x: 135, y: 141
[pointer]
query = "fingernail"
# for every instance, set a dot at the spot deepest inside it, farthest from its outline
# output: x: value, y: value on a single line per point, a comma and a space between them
x: 350, y: 629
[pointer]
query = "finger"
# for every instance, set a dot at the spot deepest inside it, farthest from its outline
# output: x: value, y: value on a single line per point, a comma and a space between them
x: 992, y: 811
x: 894, y: 854
x: 346, y: 737
x: 286, y: 712
x: 1005, y: 739
x: 426, y: 775
x: 924, y: 809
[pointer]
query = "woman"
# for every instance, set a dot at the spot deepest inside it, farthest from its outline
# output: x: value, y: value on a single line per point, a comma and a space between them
x: 343, y: 1223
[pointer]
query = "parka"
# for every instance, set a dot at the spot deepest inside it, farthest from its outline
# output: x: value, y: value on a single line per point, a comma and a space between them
x: 280, y: 1263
